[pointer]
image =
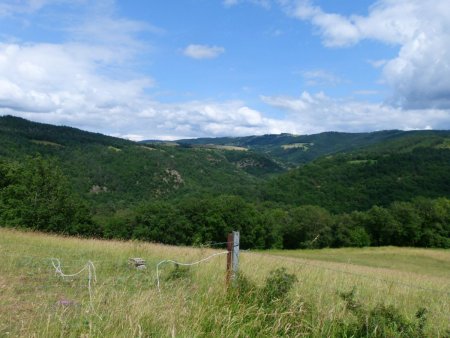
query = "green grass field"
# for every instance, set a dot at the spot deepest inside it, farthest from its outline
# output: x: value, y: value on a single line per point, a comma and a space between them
x: 194, y: 302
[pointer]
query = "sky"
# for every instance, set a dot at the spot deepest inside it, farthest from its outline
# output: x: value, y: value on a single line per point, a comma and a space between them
x: 171, y: 69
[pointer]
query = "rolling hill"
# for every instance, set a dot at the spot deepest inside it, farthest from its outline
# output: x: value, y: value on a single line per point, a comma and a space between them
x: 300, y: 149
x: 382, y: 188
x: 117, y: 172
x: 348, y: 182
x: 338, y: 171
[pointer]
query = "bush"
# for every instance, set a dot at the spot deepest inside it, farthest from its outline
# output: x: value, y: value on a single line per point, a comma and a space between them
x: 276, y: 288
x: 278, y: 285
x: 381, y: 321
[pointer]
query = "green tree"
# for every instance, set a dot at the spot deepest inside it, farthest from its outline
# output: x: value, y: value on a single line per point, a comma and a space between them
x: 162, y: 222
x: 408, y: 229
x: 205, y: 218
x: 348, y: 232
x: 309, y: 227
x: 381, y: 225
x: 36, y: 195
x: 435, y: 216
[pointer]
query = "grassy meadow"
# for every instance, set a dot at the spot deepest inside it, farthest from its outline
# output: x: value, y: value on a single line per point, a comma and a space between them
x: 194, y: 302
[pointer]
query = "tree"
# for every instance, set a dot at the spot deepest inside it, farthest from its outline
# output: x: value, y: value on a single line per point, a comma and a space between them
x: 435, y: 227
x: 309, y: 227
x: 348, y: 232
x: 381, y: 225
x: 408, y: 231
x: 161, y: 222
x: 37, y: 195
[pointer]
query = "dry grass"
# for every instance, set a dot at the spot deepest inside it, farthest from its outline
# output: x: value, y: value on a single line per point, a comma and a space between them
x: 127, y: 303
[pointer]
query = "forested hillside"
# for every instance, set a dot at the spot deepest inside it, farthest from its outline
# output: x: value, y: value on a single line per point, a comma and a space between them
x: 299, y: 149
x: 344, y: 183
x: 115, y: 173
x: 384, y: 188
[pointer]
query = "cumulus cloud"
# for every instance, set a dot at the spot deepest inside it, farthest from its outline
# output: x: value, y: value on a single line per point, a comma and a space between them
x: 391, y: 21
x: 168, y: 121
x: 60, y: 78
x: 318, y: 112
x: 420, y: 74
x: 203, y: 51
x: 65, y: 84
x: 72, y: 82
x: 209, y: 118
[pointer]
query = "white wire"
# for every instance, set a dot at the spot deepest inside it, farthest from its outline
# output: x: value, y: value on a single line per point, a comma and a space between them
x: 184, y: 264
x: 92, y: 276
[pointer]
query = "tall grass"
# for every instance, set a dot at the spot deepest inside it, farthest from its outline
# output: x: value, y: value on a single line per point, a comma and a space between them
x: 195, y: 302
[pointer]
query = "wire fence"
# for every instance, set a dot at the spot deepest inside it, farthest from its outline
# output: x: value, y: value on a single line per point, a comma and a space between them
x: 89, y: 267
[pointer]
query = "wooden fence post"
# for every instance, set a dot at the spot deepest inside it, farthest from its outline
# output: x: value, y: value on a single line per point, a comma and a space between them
x: 232, y: 257
x: 235, y: 259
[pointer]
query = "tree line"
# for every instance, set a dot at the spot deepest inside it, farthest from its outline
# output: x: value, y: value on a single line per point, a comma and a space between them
x: 35, y: 194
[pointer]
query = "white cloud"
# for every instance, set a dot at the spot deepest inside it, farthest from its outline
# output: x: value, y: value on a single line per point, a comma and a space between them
x: 420, y: 75
x: 209, y: 118
x: 47, y: 77
x: 390, y: 21
x: 318, y: 112
x: 62, y: 84
x: 143, y: 118
x: 203, y: 51
x: 72, y: 83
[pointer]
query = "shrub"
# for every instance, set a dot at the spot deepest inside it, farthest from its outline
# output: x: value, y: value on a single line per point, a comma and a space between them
x: 278, y: 284
x: 381, y: 321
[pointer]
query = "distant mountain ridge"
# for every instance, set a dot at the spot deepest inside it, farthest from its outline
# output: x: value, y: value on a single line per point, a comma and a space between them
x: 298, y: 149
x: 328, y: 189
x: 338, y: 171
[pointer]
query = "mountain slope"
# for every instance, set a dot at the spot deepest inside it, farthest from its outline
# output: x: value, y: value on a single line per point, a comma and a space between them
x: 300, y: 149
x: 116, y: 172
x: 345, y: 182
x: 184, y: 194
x: 366, y: 169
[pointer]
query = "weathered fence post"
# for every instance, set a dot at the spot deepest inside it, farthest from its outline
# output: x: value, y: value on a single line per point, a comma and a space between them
x: 235, y: 257
x: 232, y: 257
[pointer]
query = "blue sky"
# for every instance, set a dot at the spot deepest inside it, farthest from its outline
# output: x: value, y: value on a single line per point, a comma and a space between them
x: 194, y: 68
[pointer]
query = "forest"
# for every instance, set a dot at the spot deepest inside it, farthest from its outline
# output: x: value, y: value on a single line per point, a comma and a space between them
x: 368, y: 189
